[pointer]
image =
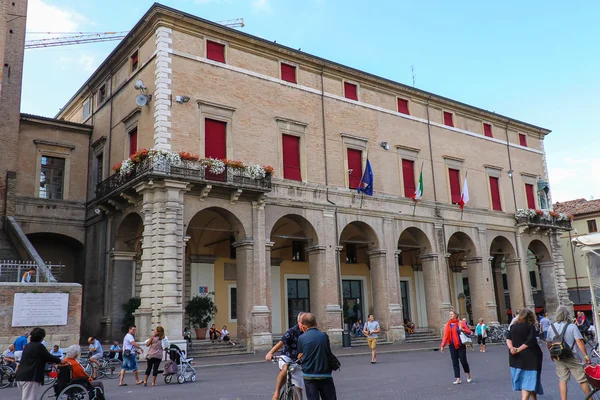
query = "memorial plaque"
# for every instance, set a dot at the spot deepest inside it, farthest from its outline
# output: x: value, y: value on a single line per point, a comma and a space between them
x: 40, y: 309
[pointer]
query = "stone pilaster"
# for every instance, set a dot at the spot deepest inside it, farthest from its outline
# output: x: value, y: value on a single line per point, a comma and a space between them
x: 559, y: 271
x: 524, y: 270
x: 262, y: 339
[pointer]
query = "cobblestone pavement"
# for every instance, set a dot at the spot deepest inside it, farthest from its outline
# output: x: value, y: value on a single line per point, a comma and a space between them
x: 406, y: 376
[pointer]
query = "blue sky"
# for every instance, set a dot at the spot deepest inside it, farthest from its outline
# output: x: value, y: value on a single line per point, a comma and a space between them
x: 536, y: 61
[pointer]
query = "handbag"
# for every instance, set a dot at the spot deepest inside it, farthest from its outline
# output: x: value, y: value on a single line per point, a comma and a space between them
x: 170, y: 368
x: 464, y: 338
x: 332, y: 360
x: 126, y: 353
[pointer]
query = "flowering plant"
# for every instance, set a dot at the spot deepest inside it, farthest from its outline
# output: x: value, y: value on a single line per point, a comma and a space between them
x: 215, y: 166
x: 553, y: 214
x: 185, y: 155
x: 269, y: 170
x: 139, y: 156
x: 254, y: 171
x: 539, y: 212
x: 234, y: 164
x: 117, y: 167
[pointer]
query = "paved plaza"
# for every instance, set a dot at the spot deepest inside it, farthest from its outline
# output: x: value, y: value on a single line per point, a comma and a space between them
x: 406, y: 375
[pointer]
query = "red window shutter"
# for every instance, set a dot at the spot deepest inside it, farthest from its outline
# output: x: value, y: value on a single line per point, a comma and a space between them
x: 403, y: 106
x: 133, y: 141
x: 487, y: 130
x: 350, y: 91
x: 215, y: 144
x: 454, y: 175
x: 495, y: 191
x: 288, y: 73
x: 522, y: 140
x: 354, y: 168
x: 134, y: 61
x: 215, y: 51
x: 448, y: 119
x: 291, y: 158
x: 408, y: 175
x: 530, y: 196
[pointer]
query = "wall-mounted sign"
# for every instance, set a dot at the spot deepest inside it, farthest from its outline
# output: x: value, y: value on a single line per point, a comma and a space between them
x: 40, y: 309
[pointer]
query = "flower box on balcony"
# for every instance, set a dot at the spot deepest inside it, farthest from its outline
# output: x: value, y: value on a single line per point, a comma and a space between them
x: 543, y: 218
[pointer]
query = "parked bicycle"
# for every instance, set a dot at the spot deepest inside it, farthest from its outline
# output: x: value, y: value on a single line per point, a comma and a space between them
x: 497, y: 333
x: 7, y: 374
x: 289, y: 391
x: 109, y: 367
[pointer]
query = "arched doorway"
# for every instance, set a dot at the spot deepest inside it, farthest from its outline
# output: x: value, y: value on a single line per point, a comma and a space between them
x: 57, y: 249
x: 362, y: 274
x: 418, y: 288
x: 465, y: 287
x: 292, y: 238
x: 216, y: 265
x: 542, y: 277
x: 506, y: 277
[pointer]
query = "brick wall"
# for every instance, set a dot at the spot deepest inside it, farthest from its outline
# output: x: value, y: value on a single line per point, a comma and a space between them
x: 62, y: 335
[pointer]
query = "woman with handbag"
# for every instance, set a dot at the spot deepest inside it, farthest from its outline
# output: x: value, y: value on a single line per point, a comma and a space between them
x: 154, y: 355
x: 455, y: 332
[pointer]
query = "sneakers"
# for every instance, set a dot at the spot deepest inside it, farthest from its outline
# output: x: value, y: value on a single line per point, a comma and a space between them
x: 458, y: 382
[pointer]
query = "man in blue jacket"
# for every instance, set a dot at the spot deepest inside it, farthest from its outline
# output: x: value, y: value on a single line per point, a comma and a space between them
x: 313, y: 349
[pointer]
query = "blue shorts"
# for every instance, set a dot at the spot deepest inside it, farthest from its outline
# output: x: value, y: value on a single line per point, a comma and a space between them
x: 130, y: 362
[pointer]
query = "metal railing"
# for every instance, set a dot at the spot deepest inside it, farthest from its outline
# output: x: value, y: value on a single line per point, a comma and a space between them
x: 186, y: 169
x: 541, y: 222
x: 14, y: 271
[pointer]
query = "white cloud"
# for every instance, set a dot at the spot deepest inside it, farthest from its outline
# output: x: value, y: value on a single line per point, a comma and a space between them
x: 262, y: 6
x: 575, y: 178
x: 87, y: 62
x: 44, y: 17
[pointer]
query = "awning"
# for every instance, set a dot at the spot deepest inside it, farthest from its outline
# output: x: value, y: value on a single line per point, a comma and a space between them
x: 582, y: 307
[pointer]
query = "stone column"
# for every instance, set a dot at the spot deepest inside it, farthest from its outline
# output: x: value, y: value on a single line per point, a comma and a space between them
x: 479, y: 292
x: 457, y: 283
x: 438, y: 306
x: 500, y: 311
x: 524, y: 269
x: 395, y: 331
x: 549, y: 286
x: 269, y: 266
x: 244, y: 256
x: 559, y: 270
x: 122, y: 287
x: 377, y: 260
x: 515, y: 288
x: 420, y: 295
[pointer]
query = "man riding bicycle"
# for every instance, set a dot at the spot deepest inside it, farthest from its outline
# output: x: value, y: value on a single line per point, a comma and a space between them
x: 95, y: 354
x: 289, y: 342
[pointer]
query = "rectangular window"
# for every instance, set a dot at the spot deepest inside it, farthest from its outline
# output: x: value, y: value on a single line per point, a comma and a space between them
x: 215, y: 139
x: 350, y: 91
x: 454, y: 176
x: 448, y: 118
x: 102, y: 94
x: 522, y: 140
x: 215, y: 51
x: 408, y: 176
x: 133, y: 136
x: 298, y: 250
x: 495, y: 192
x: 403, y: 106
x: 288, y: 73
x: 504, y: 282
x: 533, y: 279
x: 134, y: 61
x: 530, y: 196
x: 99, y: 167
x: 351, y: 257
x: 291, y: 158
x: 233, y: 303
x: 52, y: 178
x: 487, y: 130
x: 86, y: 109
x: 354, y: 168
x: 592, y: 226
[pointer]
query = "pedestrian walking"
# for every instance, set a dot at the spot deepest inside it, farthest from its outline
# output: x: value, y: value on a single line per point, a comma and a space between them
x: 525, y: 357
x: 30, y: 373
x: 314, y: 350
x: 561, y: 340
x: 481, y: 330
x: 130, y: 349
x: 154, y: 354
x: 371, y: 331
x: 545, y: 326
x: 467, y: 339
x: 453, y: 331
x: 289, y: 343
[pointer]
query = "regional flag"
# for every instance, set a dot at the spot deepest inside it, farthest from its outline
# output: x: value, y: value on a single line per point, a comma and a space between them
x: 366, y: 183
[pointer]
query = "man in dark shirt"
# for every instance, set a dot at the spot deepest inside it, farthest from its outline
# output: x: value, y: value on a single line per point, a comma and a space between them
x: 314, y: 348
x: 289, y: 342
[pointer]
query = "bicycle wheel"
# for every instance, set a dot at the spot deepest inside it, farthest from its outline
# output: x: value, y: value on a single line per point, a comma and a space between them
x: 595, y: 395
x: 290, y: 393
x: 74, y: 392
x: 50, y: 376
x: 112, y: 369
x: 7, y: 376
x: 48, y: 394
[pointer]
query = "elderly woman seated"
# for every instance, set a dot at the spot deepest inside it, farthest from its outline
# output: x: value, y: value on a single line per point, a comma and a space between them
x: 77, y: 371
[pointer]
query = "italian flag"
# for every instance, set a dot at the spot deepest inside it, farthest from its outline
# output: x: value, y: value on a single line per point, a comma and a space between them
x: 464, y: 195
x: 419, y: 190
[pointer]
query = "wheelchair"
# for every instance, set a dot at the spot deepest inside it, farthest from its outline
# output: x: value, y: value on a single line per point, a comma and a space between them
x: 67, y: 388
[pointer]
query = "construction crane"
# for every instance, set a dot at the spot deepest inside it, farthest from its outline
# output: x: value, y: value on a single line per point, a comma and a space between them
x: 95, y: 37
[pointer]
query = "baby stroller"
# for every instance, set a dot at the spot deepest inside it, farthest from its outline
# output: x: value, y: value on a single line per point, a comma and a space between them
x: 179, y: 365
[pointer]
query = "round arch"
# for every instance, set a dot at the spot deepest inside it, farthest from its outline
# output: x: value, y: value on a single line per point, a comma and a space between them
x: 58, y: 249
x: 505, y: 276
x: 465, y: 287
x: 539, y: 250
x: 129, y: 233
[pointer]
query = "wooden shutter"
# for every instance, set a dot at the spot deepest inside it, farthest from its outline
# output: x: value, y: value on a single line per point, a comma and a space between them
x: 448, y: 119
x: 350, y: 91
x: 530, y: 196
x: 408, y: 175
x: 495, y: 191
x: 215, y: 144
x: 133, y: 141
x: 134, y: 61
x: 288, y: 73
x: 487, y: 130
x: 403, y: 106
x: 454, y: 176
x: 215, y: 51
x: 522, y: 140
x: 291, y: 158
x: 354, y: 168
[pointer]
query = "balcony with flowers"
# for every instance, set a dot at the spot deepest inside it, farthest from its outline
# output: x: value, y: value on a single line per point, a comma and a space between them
x: 232, y: 176
x: 543, y: 219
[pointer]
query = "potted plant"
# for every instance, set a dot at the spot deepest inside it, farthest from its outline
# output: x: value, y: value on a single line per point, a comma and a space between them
x: 201, y: 310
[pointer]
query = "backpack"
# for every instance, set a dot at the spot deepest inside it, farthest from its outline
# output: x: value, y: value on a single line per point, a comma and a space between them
x: 559, y: 350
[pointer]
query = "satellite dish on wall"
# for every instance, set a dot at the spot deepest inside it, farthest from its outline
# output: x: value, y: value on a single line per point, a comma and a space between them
x: 141, y: 100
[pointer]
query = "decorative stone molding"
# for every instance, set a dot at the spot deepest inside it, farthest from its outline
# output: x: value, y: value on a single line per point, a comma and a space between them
x: 162, y: 84
x: 430, y: 256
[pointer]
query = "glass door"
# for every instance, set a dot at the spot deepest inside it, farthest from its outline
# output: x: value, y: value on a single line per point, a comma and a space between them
x: 298, y: 298
x: 353, y: 301
x: 405, y: 302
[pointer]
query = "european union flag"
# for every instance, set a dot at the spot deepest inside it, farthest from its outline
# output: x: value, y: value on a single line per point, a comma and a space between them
x: 366, y: 183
